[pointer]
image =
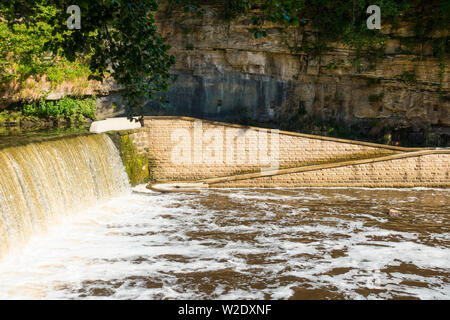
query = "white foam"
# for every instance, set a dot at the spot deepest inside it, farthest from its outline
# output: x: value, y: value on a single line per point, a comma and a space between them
x: 150, y: 247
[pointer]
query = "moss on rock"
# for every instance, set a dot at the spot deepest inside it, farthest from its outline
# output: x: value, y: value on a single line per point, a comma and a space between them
x: 136, y: 163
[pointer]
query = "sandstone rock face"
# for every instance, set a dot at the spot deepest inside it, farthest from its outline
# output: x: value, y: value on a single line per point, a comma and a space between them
x: 225, y: 73
x: 34, y: 89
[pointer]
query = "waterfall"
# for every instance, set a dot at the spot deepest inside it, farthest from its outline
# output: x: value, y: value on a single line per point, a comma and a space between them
x: 41, y: 182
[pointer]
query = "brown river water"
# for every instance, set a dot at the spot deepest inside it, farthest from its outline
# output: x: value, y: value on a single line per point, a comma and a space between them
x: 242, y: 244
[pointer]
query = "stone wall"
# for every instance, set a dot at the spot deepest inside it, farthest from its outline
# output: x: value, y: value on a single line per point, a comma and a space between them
x: 417, y: 169
x: 185, y: 149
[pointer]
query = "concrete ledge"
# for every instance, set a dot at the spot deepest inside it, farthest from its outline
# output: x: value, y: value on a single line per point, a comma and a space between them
x: 114, y: 124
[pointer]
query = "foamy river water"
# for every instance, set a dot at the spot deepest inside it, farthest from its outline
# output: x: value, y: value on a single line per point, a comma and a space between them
x: 242, y: 244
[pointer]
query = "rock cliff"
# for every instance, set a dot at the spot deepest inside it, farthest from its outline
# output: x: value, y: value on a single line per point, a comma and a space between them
x: 225, y: 73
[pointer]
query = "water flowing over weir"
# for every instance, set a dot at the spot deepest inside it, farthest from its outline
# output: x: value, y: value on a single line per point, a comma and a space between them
x: 40, y: 182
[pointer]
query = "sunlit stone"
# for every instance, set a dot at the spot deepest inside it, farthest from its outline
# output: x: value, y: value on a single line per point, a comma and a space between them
x: 114, y: 124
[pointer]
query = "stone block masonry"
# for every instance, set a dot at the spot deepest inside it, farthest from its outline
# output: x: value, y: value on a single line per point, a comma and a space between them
x: 415, y: 169
x: 228, y: 155
x: 221, y: 155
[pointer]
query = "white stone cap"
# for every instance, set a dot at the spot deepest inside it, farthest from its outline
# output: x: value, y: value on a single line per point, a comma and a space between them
x: 114, y: 124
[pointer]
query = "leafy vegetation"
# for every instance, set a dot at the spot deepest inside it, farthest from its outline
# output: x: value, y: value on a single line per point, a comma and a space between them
x: 22, y: 51
x: 66, y: 110
x: 66, y: 70
x: 9, y: 117
x: 408, y: 77
x: 376, y: 97
x: 116, y: 36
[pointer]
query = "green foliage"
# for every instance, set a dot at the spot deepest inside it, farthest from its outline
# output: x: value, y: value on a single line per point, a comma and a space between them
x: 334, y: 65
x: 66, y: 70
x: 24, y: 51
x: 187, y: 5
x: 338, y: 20
x: 118, y: 36
x: 9, y: 117
x: 376, y: 97
x: 408, y: 77
x: 68, y: 109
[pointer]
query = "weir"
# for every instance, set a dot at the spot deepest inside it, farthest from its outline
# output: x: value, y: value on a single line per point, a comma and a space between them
x: 40, y: 182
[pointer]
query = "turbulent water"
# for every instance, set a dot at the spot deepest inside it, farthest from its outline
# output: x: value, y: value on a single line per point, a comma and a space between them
x: 242, y: 244
x: 42, y: 182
